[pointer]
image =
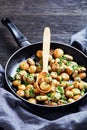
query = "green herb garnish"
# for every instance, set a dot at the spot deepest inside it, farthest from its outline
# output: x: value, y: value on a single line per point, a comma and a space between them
x: 74, y: 67
x: 31, y: 91
x: 47, y: 75
x: 18, y: 69
x: 49, y: 94
x: 11, y: 78
x: 63, y: 97
x: 25, y: 83
x: 60, y: 90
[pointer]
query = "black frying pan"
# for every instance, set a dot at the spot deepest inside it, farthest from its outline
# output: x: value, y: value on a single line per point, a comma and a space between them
x: 28, y: 50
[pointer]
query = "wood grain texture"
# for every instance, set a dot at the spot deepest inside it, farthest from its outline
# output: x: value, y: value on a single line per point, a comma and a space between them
x: 64, y: 17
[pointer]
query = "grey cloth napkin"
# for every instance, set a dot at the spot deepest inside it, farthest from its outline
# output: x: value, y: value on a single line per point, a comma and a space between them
x: 16, y: 115
x: 79, y: 40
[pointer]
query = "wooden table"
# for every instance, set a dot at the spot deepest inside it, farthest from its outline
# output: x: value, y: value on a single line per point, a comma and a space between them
x: 64, y: 17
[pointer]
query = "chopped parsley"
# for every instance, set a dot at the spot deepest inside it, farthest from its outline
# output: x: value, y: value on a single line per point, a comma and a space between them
x: 49, y: 94
x: 47, y: 75
x: 18, y: 69
x: 31, y: 91
x: 25, y: 83
x: 11, y: 78
x: 60, y: 90
x: 63, y: 97
x: 68, y: 63
x: 74, y: 67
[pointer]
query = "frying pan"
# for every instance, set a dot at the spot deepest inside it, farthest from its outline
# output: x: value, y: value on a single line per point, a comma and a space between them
x: 28, y: 50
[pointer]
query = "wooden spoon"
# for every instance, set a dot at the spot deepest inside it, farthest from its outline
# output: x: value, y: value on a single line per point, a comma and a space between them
x: 46, y: 49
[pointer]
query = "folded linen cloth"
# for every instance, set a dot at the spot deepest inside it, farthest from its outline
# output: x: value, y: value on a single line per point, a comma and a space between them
x: 16, y: 115
x: 79, y: 40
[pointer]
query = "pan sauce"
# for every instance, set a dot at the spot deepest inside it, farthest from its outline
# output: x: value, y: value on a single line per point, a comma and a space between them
x: 65, y: 76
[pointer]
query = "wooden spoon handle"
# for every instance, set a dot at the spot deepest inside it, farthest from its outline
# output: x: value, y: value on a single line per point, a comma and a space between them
x: 46, y: 48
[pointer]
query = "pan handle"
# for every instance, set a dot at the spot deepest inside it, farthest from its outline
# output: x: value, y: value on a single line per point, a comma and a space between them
x: 20, y: 39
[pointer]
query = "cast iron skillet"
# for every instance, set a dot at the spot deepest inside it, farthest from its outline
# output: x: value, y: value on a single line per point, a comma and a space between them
x: 28, y: 50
